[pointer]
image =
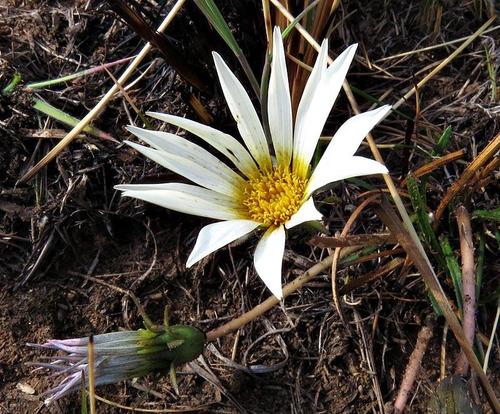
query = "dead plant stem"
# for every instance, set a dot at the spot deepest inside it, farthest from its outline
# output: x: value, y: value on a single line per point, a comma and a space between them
x: 468, y: 284
x: 412, y: 368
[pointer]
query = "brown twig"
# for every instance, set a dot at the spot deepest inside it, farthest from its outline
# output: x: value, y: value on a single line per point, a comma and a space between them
x: 375, y: 239
x: 431, y: 166
x: 468, y: 284
x: 370, y: 277
x: 413, y: 366
x: 485, y: 155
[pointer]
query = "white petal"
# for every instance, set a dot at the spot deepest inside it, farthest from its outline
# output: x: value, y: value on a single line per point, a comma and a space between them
x: 336, y: 160
x: 348, y: 167
x: 312, y: 114
x: 349, y: 136
x: 279, y: 105
x: 269, y: 258
x: 181, y: 147
x: 306, y: 101
x: 306, y: 212
x: 184, y: 198
x: 217, y: 235
x: 191, y: 169
x: 244, y: 114
x: 221, y: 141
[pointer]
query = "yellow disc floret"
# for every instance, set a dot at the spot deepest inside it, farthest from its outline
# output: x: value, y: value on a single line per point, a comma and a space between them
x: 271, y: 198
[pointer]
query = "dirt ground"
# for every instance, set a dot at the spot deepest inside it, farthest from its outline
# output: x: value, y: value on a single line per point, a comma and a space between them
x: 68, y: 223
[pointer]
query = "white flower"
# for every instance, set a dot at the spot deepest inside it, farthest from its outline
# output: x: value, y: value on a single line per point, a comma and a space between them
x: 260, y: 191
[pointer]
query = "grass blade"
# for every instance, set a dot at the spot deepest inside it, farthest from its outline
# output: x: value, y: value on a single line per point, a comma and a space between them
x: 214, y: 16
x: 69, y: 120
x: 453, y: 270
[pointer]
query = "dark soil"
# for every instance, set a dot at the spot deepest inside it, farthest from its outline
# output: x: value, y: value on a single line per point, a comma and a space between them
x: 68, y: 222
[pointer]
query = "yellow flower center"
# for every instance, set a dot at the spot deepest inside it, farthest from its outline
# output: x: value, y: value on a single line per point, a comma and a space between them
x: 273, y: 197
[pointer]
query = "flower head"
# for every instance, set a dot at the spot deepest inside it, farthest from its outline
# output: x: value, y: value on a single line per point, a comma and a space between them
x: 259, y: 190
x: 121, y: 355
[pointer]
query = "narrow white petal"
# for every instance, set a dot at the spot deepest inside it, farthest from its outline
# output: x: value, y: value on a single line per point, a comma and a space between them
x: 181, y: 147
x: 349, y: 136
x: 306, y: 212
x: 184, y: 198
x: 306, y: 101
x: 222, y: 142
x: 217, y: 235
x: 348, y: 167
x: 279, y: 105
x: 311, y: 118
x: 268, y: 259
x: 336, y: 161
x: 244, y: 114
x: 192, y: 169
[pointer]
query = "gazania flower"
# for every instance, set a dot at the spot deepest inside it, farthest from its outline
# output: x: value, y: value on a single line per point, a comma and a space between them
x: 121, y: 355
x: 257, y: 189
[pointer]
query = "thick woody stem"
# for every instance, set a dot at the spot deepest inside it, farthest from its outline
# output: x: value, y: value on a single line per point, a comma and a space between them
x: 468, y: 284
x: 414, y: 364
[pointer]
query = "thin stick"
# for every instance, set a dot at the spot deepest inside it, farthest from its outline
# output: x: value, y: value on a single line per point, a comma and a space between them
x: 91, y: 370
x: 438, y: 68
x: 54, y: 152
x: 492, y: 338
x: 267, y: 24
x: 412, y: 368
x: 271, y: 301
x: 488, y: 152
x: 468, y: 285
x: 426, y: 49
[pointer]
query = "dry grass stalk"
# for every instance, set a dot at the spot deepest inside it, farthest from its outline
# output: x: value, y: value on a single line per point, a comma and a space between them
x: 91, y: 363
x: 372, y: 276
x: 486, y: 154
x: 354, y: 240
x: 434, y: 164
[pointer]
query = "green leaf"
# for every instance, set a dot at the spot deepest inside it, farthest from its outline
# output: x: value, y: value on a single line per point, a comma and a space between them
x: 175, y: 343
x: 84, y: 407
x: 12, y: 84
x: 443, y: 142
x: 214, y: 16
x: 299, y: 17
x: 423, y: 223
x: 65, y: 118
x: 487, y: 214
x: 453, y: 269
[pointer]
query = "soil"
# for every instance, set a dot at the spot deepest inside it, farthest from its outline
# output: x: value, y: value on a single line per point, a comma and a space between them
x: 68, y: 224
